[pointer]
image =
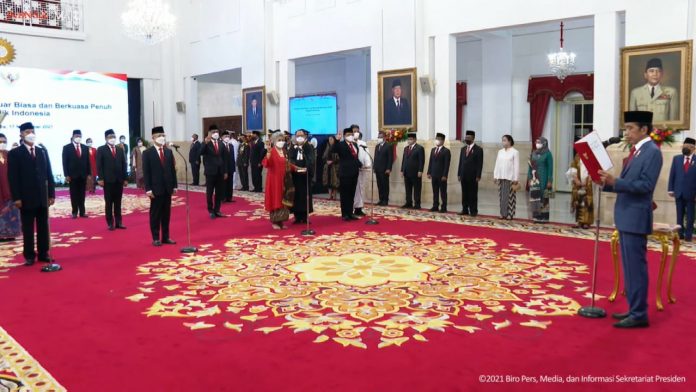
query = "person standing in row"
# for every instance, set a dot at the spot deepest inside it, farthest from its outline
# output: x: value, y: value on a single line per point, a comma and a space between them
x: 159, y: 175
x: 243, y: 162
x: 438, y: 171
x: 137, y: 163
x: 257, y: 154
x: 384, y: 160
x: 113, y: 176
x: 412, y: 171
x: 469, y: 174
x: 365, y: 172
x: 195, y: 159
x: 234, y: 141
x: 277, y: 166
x: 582, y: 196
x: 302, y: 156
x: 329, y: 176
x: 92, y: 180
x: 506, y: 174
x: 9, y: 214
x: 76, y: 169
x: 215, y: 170
x: 231, y: 166
x: 541, y: 170
x: 33, y: 191
x: 682, y: 187
x: 124, y: 146
x: 348, y: 170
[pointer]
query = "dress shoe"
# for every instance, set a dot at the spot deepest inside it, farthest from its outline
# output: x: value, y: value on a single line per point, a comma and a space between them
x: 74, y: 216
x: 434, y: 209
x: 629, y: 322
x: 220, y: 215
x: 346, y: 219
x: 620, y: 316
x: 212, y: 215
x: 111, y: 228
x: 28, y: 262
x: 417, y: 207
x: 474, y: 215
x: 120, y: 226
x: 156, y: 243
x: 407, y: 206
x: 45, y: 259
x: 359, y: 212
x: 353, y: 217
x: 84, y: 216
x: 442, y: 210
x: 169, y: 241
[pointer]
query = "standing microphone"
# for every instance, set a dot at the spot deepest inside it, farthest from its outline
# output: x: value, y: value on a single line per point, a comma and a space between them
x: 610, y: 141
x: 174, y: 145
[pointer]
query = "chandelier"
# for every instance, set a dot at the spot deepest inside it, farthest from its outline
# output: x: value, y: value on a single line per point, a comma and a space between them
x: 562, y: 63
x: 149, y: 21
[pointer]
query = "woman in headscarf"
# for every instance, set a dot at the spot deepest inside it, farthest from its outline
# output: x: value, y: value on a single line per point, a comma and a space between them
x: 330, y: 174
x: 301, y: 156
x: 137, y: 163
x: 278, y: 194
x: 540, y: 180
x: 10, y: 223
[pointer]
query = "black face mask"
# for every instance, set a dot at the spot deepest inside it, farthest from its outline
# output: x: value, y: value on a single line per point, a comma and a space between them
x: 686, y: 151
x: 469, y: 142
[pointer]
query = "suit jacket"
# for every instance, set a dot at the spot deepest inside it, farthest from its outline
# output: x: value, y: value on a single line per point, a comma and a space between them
x: 396, y: 116
x: 229, y: 158
x: 309, y: 158
x: 439, y: 164
x: 73, y: 166
x: 109, y: 168
x: 470, y: 167
x: 123, y: 146
x: 215, y: 163
x: 634, y: 188
x: 243, y: 156
x: 195, y: 152
x: 31, y: 179
x: 384, y: 158
x: 160, y: 178
x: 257, y: 153
x: 348, y: 165
x: 414, y: 161
x: 682, y: 184
x: 254, y: 122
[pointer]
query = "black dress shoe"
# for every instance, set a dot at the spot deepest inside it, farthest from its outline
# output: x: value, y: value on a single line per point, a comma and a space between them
x: 156, y: 243
x: 84, y: 216
x: 74, y: 216
x: 442, y: 210
x: 359, y: 212
x: 45, y: 259
x: 220, y: 215
x: 463, y: 213
x: 353, y: 217
x: 417, y: 207
x: 629, y: 322
x: 434, y: 209
x: 212, y: 215
x: 111, y: 228
x: 407, y: 206
x: 620, y: 316
x: 120, y: 226
x: 474, y: 215
x: 28, y: 263
x: 169, y: 241
x: 346, y: 219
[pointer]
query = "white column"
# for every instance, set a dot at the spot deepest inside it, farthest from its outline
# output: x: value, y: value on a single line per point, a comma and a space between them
x: 445, y: 94
x: 287, y: 90
x: 607, y: 41
x: 193, y: 123
x: 497, y: 89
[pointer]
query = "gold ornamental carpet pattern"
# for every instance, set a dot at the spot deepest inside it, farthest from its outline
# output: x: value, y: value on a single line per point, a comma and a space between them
x: 20, y: 372
x: 363, y: 289
x: 94, y: 204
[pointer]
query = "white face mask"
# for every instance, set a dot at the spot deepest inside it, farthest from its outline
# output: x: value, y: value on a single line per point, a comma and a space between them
x: 30, y: 138
x: 215, y: 136
x: 300, y: 139
x: 356, y: 136
x: 89, y: 144
x: 78, y: 140
x: 140, y: 144
x: 226, y: 139
x: 380, y: 140
x: 123, y: 140
x: 438, y: 142
x: 349, y: 138
x: 3, y: 146
x: 160, y: 140
x: 539, y: 146
x: 280, y: 144
x: 111, y: 141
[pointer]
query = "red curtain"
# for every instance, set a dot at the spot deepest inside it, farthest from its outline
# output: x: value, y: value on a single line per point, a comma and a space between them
x: 461, y: 101
x: 542, y: 89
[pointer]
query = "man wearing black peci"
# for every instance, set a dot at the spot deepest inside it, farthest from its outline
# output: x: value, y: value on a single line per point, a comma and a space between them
x: 348, y: 170
x: 195, y: 159
x: 438, y: 171
x: 159, y: 172
x: 77, y: 169
x: 384, y: 159
x: 257, y: 153
x: 469, y: 173
x: 113, y: 176
x: 412, y: 171
x: 33, y: 191
x: 214, y: 159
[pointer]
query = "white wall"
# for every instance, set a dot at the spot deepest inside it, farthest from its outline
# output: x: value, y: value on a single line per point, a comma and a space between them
x: 219, y: 99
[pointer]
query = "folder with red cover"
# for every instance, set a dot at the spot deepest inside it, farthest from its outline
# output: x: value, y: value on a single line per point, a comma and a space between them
x: 593, y: 155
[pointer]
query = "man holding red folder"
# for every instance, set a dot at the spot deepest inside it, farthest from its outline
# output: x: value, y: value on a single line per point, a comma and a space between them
x: 633, y: 213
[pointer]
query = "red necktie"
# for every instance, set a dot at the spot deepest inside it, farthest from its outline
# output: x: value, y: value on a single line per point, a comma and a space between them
x: 161, y: 154
x: 468, y: 151
x: 215, y: 146
x: 78, y: 150
x: 352, y: 150
x: 437, y: 152
x: 113, y: 151
x: 32, y: 152
x: 686, y: 164
x: 630, y: 156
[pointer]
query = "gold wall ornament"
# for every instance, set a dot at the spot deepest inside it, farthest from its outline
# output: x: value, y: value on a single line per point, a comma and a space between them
x: 7, y: 52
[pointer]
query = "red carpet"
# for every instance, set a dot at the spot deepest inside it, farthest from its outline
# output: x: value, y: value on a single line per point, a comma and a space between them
x: 88, y: 326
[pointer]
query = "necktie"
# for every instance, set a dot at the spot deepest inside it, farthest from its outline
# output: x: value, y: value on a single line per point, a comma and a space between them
x: 32, y: 152
x: 113, y: 151
x: 215, y: 146
x: 468, y: 151
x: 652, y: 92
x: 352, y: 150
x: 630, y: 156
x: 78, y: 150
x: 398, y: 104
x: 686, y: 164
x: 161, y: 155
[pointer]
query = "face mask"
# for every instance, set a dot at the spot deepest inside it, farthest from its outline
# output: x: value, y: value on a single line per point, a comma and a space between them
x: 30, y: 138
x: 686, y: 151
x: 89, y: 144
x: 111, y: 141
x: 3, y: 146
x: 280, y: 144
x: 380, y: 140
x: 300, y: 139
x: 350, y: 138
x: 78, y: 140
x: 539, y: 146
x: 356, y: 136
x: 226, y: 140
x: 123, y: 140
x: 215, y: 136
x: 140, y: 144
x: 438, y: 142
x: 160, y: 140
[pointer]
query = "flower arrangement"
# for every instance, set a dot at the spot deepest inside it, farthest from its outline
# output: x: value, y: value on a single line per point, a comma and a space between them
x: 660, y: 136
x: 393, y: 136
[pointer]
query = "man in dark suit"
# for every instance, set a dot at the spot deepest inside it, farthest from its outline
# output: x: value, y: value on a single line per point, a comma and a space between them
x: 77, y: 169
x: 231, y: 166
x: 159, y: 174
x: 123, y: 145
x: 254, y: 114
x: 633, y: 213
x: 195, y: 159
x: 412, y: 165
x: 33, y: 191
x: 396, y: 109
x: 215, y: 170
x: 348, y: 170
x: 257, y: 153
x: 469, y: 174
x: 438, y: 171
x: 384, y: 159
x: 113, y: 176
x: 243, y: 162
x: 682, y: 187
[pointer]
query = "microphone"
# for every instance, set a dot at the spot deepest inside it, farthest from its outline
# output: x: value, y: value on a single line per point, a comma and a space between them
x: 174, y: 145
x: 610, y: 141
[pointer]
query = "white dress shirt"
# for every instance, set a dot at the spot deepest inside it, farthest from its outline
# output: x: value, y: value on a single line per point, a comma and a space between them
x: 507, y: 165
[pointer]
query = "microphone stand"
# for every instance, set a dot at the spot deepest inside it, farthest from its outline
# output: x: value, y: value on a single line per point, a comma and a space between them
x: 592, y: 311
x: 51, y: 266
x: 307, y: 231
x: 189, y: 248
x: 372, y: 220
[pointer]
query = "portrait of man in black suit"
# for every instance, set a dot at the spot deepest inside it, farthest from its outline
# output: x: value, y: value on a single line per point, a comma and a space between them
x: 254, y: 108
x: 397, y: 95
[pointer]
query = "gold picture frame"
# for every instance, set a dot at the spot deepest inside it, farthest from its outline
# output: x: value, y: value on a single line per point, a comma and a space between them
x: 405, y: 114
x: 670, y: 98
x: 251, y: 122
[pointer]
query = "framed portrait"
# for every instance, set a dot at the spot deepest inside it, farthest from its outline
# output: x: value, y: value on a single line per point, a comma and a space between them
x: 657, y: 78
x: 397, y: 99
x: 254, y: 109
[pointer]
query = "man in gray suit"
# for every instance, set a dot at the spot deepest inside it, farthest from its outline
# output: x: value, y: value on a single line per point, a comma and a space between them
x: 662, y: 101
x: 633, y: 213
